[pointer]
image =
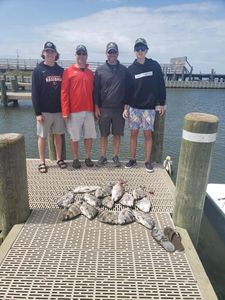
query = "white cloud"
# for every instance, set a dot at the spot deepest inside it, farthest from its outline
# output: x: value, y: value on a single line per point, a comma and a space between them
x: 190, y: 30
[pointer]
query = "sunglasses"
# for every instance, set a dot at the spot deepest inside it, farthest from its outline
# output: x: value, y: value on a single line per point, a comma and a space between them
x: 112, y: 52
x: 81, y: 53
x: 140, y: 48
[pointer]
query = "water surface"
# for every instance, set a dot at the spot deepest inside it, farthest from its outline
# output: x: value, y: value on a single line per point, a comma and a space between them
x: 21, y: 119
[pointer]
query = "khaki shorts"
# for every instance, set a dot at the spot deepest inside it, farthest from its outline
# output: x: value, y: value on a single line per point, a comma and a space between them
x: 81, y: 124
x: 53, y: 122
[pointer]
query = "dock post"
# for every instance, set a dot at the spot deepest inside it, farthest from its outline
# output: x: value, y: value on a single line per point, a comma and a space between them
x: 14, y: 205
x: 158, y: 136
x: 14, y: 84
x: 4, y: 97
x: 51, y: 147
x: 199, y: 135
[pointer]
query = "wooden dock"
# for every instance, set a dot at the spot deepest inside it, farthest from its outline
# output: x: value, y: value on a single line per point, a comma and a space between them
x: 82, y: 259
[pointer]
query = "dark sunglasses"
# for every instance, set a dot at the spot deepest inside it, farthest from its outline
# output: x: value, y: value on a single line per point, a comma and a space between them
x: 112, y: 52
x: 140, y: 48
x: 81, y: 53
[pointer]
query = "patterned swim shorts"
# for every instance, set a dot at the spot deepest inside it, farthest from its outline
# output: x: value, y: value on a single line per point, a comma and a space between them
x: 141, y: 118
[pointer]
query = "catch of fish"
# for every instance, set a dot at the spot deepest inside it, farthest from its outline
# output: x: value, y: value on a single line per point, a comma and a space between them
x: 97, y: 201
x: 93, y: 199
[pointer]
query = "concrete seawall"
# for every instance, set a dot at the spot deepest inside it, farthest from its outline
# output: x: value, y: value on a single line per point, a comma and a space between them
x: 201, y: 84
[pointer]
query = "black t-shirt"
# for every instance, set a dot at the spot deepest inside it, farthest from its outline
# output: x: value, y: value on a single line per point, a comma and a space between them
x: 46, y: 88
x: 149, y: 85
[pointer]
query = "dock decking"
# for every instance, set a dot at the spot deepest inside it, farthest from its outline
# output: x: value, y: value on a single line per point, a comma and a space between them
x: 82, y: 259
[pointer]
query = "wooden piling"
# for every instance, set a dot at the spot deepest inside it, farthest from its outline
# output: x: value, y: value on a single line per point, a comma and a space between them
x: 157, y: 137
x: 14, y: 84
x: 4, y: 98
x: 14, y: 205
x: 199, y: 135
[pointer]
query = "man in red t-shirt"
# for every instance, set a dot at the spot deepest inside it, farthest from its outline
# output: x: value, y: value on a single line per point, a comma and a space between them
x: 77, y: 105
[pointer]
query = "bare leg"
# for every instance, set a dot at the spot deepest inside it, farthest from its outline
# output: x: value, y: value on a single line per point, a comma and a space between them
x: 74, y: 149
x: 41, y: 148
x: 104, y: 144
x: 133, y: 143
x: 116, y: 144
x: 58, y: 146
x: 148, y: 144
x: 88, y: 146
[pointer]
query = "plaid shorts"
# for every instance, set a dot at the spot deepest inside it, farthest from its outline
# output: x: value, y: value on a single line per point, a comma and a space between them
x: 141, y: 118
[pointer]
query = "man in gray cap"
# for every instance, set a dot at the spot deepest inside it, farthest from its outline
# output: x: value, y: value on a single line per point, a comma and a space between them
x: 149, y: 92
x: 77, y: 105
x: 111, y: 87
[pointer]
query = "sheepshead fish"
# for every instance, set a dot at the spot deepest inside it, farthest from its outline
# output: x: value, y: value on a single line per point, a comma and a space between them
x: 127, y: 200
x: 88, y: 211
x: 104, y: 191
x: 92, y: 200
x: 72, y: 212
x: 118, y: 190
x: 144, y: 204
x: 109, y: 217
x: 126, y: 216
x: 139, y: 193
x: 108, y: 202
x: 144, y: 219
x: 85, y: 189
x: 66, y: 200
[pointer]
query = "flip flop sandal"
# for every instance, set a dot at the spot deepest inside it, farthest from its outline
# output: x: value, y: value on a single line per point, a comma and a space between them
x: 174, y: 237
x: 42, y: 168
x: 61, y: 163
x: 158, y: 235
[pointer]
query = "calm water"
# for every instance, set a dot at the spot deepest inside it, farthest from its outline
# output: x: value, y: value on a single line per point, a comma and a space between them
x: 179, y: 102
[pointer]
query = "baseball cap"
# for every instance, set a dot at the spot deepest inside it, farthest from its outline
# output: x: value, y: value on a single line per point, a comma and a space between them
x: 140, y: 41
x: 81, y: 48
x: 111, y: 46
x: 50, y: 46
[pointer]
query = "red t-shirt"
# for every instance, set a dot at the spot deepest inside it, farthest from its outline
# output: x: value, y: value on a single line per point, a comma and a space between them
x: 77, y: 90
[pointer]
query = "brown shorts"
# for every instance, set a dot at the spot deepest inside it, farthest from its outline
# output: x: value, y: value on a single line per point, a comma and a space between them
x: 111, y: 121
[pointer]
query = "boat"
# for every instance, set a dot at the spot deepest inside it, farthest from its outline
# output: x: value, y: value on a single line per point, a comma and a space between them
x: 211, y: 246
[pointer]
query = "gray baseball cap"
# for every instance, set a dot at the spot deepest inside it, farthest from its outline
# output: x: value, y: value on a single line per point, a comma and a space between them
x: 111, y: 46
x: 140, y: 41
x: 81, y: 48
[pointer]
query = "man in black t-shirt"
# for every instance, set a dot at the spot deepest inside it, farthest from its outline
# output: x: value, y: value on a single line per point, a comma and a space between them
x: 46, y: 89
x: 149, y: 93
x: 111, y: 87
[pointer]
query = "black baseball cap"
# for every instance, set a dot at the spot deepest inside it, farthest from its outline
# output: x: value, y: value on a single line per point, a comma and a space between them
x: 140, y: 41
x: 81, y: 48
x: 111, y: 46
x: 50, y: 46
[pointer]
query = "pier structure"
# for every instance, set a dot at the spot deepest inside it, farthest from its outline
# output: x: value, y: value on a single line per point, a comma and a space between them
x: 178, y: 69
x: 46, y: 258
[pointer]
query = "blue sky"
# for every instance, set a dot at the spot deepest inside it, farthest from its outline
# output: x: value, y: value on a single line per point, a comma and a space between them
x: 172, y: 28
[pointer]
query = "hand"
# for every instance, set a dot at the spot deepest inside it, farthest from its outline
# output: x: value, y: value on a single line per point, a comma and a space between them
x: 97, y: 112
x: 40, y: 118
x: 66, y: 118
x: 161, y: 109
x: 125, y: 113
